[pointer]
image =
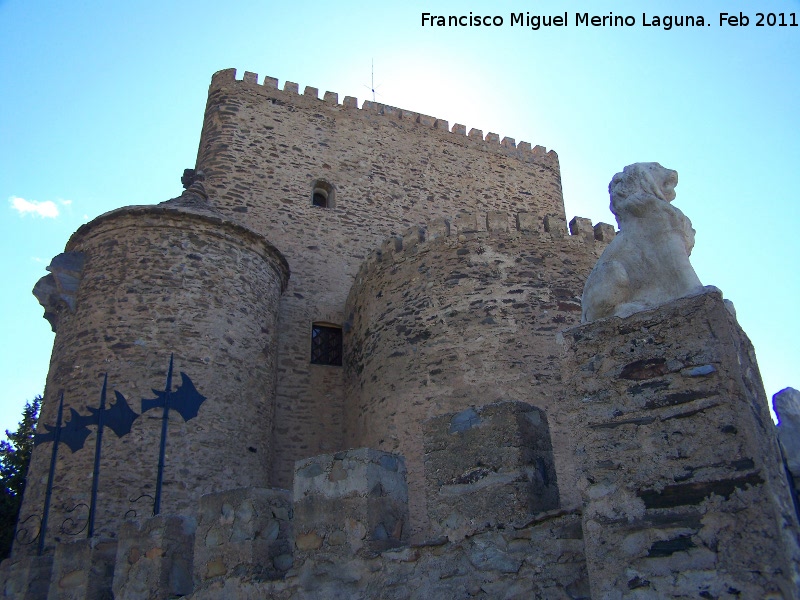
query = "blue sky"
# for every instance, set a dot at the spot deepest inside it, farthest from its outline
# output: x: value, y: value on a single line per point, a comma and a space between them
x: 101, y: 106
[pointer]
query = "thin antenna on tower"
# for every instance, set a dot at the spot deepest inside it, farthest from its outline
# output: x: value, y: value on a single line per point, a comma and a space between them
x: 372, y: 80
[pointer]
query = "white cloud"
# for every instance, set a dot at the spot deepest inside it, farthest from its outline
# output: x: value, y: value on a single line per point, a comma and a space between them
x: 46, y: 209
x: 65, y: 202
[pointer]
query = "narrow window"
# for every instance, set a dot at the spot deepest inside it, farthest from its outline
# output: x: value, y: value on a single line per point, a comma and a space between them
x: 326, y: 344
x: 320, y: 199
x: 322, y: 194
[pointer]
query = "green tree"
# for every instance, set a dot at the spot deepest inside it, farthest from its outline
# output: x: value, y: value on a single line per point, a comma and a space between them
x: 15, y: 454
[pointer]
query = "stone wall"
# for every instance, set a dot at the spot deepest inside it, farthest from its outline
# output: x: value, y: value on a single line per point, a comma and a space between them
x: 683, y: 488
x: 160, y: 282
x: 339, y: 538
x: 488, y: 467
x: 463, y: 319
x: 679, y: 480
x: 262, y: 149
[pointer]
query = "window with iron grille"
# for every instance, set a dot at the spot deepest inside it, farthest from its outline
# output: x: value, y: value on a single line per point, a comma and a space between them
x: 326, y: 345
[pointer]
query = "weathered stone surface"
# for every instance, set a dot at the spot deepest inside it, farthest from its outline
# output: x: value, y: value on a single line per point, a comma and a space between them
x: 555, y: 226
x: 438, y: 228
x: 497, y: 221
x: 682, y: 485
x: 350, y: 502
x: 57, y: 291
x: 488, y: 467
x: 412, y: 237
x: 647, y: 263
x: 26, y: 577
x: 246, y: 532
x: 541, y: 560
x: 382, y: 187
x: 162, y: 281
x: 83, y: 570
x: 787, y: 406
x: 582, y: 227
x: 154, y: 560
x: 428, y: 332
x: 604, y: 232
x: 466, y: 223
x: 527, y: 222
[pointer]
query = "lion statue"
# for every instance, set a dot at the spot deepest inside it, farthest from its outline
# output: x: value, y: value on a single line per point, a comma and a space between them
x: 647, y: 263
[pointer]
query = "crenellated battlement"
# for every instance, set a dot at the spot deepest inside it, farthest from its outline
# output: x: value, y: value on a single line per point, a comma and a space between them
x: 523, y: 150
x: 468, y: 226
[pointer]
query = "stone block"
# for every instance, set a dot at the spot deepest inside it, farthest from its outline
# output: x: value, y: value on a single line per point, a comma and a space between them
x: 311, y: 92
x: 555, y: 226
x: 391, y: 111
x: 271, y: 83
x: 496, y: 221
x: 476, y: 134
x: 442, y: 124
x: 391, y: 246
x: 604, y: 232
x: 412, y: 237
x: 354, y: 501
x: 579, y: 226
x: 488, y: 467
x: 291, y: 86
x: 528, y: 221
x: 426, y: 120
x: 154, y: 559
x: 250, y: 77
x: 331, y: 97
x: 350, y: 102
x: 246, y: 532
x: 459, y: 129
x: 492, y: 138
x: 438, y: 228
x: 26, y: 578
x: 83, y: 570
x: 466, y: 223
x: 508, y: 142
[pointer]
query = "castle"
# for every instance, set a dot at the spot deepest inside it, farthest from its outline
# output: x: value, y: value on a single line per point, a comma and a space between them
x: 348, y: 362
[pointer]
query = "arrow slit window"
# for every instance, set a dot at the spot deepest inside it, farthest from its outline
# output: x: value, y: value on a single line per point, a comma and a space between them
x: 326, y: 344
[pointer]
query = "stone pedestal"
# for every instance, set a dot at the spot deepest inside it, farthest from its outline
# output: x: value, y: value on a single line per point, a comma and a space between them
x: 488, y: 467
x: 350, y: 502
x: 26, y: 577
x: 787, y: 407
x: 246, y: 532
x: 154, y: 560
x: 678, y: 468
x: 83, y: 570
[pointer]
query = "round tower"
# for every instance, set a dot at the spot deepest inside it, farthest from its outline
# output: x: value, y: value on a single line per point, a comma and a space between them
x: 168, y: 304
x: 454, y: 322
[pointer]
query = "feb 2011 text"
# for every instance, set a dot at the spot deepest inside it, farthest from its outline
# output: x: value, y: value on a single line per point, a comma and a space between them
x: 666, y: 22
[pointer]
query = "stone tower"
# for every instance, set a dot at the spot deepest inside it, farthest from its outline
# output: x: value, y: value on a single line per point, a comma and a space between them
x: 172, y: 280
